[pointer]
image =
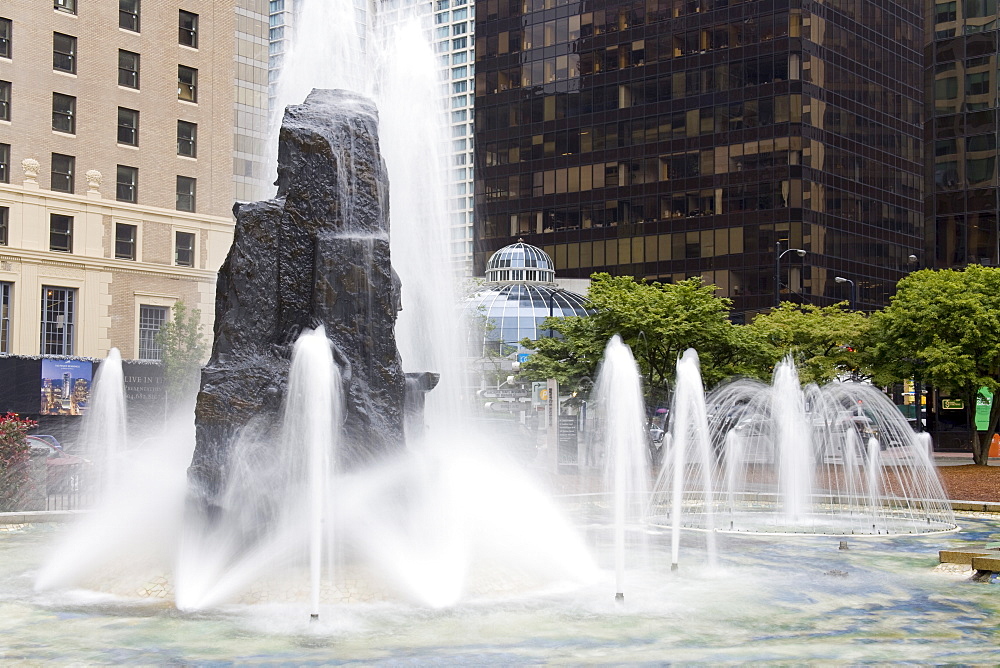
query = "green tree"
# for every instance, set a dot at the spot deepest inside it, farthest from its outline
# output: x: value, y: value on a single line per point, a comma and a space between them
x: 823, y: 341
x: 14, y: 460
x: 182, y: 342
x: 659, y: 321
x: 943, y: 327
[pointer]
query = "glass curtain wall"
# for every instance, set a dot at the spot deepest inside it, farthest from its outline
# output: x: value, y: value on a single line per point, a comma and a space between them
x: 675, y: 138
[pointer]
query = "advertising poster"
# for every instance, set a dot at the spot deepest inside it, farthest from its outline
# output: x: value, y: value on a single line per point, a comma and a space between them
x: 66, y: 386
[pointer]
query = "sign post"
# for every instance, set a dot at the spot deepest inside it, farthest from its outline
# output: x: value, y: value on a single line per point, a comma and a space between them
x: 552, y: 423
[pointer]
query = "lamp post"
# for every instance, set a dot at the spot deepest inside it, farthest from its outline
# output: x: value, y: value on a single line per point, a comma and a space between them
x: 918, y: 386
x: 854, y: 294
x: 778, y: 254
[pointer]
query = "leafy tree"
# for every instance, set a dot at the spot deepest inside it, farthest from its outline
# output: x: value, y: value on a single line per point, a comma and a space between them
x: 657, y: 320
x: 182, y: 342
x: 943, y: 327
x: 14, y: 459
x: 823, y: 341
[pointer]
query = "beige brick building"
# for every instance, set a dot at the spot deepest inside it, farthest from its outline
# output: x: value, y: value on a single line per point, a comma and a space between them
x: 127, y: 129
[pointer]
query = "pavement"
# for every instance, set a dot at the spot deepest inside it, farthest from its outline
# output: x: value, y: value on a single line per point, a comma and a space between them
x: 959, y: 459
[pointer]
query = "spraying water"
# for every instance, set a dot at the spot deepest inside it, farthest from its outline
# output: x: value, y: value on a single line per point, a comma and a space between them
x: 412, y: 128
x: 619, y: 394
x: 691, y: 454
x: 313, y: 408
x: 103, y: 432
x: 838, y: 459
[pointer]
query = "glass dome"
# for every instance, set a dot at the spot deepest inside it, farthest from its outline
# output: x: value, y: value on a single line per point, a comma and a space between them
x: 520, y: 294
x: 520, y: 262
x: 516, y: 311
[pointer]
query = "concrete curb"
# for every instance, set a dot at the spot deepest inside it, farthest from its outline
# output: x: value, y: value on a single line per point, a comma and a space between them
x: 35, y: 516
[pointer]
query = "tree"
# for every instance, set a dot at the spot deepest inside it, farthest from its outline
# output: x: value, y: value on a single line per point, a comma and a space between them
x: 183, y: 346
x: 943, y: 327
x: 659, y: 321
x: 14, y: 460
x: 823, y: 341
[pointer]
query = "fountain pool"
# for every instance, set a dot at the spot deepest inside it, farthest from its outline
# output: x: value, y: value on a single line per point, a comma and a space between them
x: 790, y: 600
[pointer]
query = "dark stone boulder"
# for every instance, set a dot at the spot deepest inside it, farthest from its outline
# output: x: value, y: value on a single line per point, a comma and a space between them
x: 316, y: 254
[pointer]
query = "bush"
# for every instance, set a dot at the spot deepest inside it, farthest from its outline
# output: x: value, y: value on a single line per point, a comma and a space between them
x: 14, y: 460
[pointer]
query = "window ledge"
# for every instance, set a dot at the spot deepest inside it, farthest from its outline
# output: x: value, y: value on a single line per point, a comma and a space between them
x: 187, y: 157
x: 128, y: 146
x: 128, y: 88
x: 60, y: 133
x: 64, y: 73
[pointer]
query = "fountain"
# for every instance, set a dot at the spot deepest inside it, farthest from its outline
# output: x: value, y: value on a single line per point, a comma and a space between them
x: 838, y: 459
x: 102, y: 433
x: 442, y: 550
x: 618, y: 394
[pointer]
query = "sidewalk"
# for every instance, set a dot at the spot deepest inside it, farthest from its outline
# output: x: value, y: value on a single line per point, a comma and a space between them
x: 959, y: 458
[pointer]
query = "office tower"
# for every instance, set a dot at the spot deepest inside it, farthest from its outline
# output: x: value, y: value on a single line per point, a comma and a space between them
x: 961, y: 134
x: 678, y: 138
x: 126, y: 131
x: 454, y: 42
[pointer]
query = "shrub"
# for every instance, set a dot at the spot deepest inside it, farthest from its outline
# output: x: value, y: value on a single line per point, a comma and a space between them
x: 14, y: 458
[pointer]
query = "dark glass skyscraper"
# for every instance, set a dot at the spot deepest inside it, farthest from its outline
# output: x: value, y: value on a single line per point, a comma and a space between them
x: 962, y: 133
x: 673, y: 138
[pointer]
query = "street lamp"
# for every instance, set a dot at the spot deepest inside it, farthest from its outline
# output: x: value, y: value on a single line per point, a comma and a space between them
x: 854, y: 294
x: 778, y: 254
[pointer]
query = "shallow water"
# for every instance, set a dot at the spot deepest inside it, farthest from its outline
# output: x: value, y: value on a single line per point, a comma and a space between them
x: 787, y: 599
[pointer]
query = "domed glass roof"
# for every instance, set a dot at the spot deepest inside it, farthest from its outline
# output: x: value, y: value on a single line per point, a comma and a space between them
x: 516, y: 311
x: 520, y: 262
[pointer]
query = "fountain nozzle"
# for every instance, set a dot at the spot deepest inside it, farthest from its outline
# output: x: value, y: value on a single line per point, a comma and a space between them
x: 619, y: 597
x: 314, y: 617
x: 674, y: 566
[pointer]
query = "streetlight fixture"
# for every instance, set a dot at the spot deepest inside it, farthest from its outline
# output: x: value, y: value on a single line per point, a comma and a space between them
x: 778, y: 254
x: 854, y: 294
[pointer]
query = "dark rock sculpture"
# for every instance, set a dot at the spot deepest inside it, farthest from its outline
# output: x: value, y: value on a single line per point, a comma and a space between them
x: 318, y: 253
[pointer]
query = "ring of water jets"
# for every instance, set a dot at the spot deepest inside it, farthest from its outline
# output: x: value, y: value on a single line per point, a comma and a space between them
x: 753, y: 458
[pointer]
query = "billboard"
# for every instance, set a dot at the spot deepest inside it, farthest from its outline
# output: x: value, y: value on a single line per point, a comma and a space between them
x: 65, y: 386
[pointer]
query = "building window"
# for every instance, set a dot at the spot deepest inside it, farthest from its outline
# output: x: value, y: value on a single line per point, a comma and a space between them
x: 125, y: 241
x: 4, y: 225
x: 151, y: 319
x: 128, y: 126
x: 185, y: 193
x: 6, y: 28
x: 5, y: 305
x: 4, y: 163
x: 64, y: 113
x: 187, y: 29
x: 58, y: 308
x: 184, y: 249
x: 187, y: 83
x: 187, y: 139
x: 65, y: 6
x: 128, y: 15
x: 63, y: 52
x: 63, y: 167
x: 4, y: 100
x: 127, y: 184
x: 128, y: 69
x: 61, y: 233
